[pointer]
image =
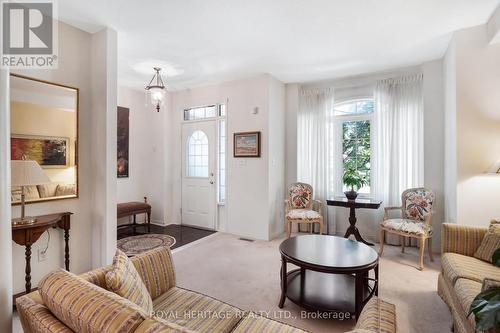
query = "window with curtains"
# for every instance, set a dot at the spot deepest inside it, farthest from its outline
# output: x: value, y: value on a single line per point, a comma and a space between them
x: 353, y: 120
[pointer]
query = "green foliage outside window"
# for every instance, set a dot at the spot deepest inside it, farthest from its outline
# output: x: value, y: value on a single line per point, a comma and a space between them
x: 356, y: 148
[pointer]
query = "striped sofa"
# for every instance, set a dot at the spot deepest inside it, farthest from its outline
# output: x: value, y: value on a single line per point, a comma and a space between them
x: 69, y: 303
x: 462, y: 274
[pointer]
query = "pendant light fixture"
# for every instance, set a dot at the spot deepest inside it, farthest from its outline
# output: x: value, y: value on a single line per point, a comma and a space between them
x: 156, y: 89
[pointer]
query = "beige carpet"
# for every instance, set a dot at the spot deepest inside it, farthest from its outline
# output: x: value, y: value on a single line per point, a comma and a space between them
x: 246, y: 274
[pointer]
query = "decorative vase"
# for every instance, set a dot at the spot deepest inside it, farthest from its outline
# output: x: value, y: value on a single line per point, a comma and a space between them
x: 351, y: 195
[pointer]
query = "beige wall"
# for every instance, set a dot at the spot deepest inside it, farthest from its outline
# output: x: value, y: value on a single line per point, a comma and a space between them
x: 33, y: 119
x: 146, y: 154
x: 477, y: 66
x: 248, y: 210
x: 88, y: 235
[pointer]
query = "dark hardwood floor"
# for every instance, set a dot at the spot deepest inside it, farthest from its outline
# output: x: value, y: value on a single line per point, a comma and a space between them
x: 182, y: 234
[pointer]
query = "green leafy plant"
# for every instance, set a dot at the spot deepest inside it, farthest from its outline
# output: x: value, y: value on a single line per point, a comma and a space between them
x: 486, y: 305
x: 353, y: 179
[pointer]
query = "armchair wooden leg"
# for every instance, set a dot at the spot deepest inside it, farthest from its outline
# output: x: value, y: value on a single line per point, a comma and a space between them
x: 421, y: 241
x: 402, y: 239
x: 287, y: 228
x: 382, y: 236
x: 321, y: 227
x: 430, y: 249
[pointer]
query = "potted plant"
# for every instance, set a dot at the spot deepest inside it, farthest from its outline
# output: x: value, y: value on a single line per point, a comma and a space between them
x: 353, y: 179
x: 486, y: 305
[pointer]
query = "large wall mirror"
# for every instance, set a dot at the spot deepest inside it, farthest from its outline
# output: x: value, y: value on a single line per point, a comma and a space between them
x: 44, y: 129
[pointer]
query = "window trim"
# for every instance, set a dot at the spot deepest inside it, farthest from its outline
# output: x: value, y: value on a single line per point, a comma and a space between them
x: 219, y: 120
x: 188, y: 150
x: 217, y: 116
x: 338, y: 121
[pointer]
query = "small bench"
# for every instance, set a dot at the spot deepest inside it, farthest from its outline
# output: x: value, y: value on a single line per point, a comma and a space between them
x: 133, y: 208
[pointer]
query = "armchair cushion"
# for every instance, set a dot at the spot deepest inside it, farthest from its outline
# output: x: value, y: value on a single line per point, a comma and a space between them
x: 300, y: 195
x: 455, y: 266
x: 124, y: 280
x: 417, y: 203
x: 461, y: 239
x: 466, y: 290
x: 490, y: 242
x: 303, y: 214
x: 407, y: 226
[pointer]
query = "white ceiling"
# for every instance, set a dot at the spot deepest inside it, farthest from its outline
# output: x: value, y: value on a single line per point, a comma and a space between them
x: 206, y: 41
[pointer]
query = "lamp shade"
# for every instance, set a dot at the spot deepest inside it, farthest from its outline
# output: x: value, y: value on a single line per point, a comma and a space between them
x: 495, y: 168
x: 27, y: 172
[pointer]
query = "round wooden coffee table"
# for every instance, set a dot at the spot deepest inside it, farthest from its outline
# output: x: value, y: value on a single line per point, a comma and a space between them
x: 333, y: 273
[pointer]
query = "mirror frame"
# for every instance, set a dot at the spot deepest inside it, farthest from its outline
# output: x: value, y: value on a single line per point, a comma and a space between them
x: 77, y: 143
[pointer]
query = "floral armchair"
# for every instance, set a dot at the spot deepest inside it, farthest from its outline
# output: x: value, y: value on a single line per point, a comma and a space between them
x: 300, y: 207
x: 415, y: 221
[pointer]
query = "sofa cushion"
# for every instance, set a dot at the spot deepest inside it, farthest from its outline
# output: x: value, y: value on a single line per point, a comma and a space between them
x: 65, y: 189
x: 87, y: 308
x: 124, y: 280
x: 196, y: 311
x: 378, y: 316
x: 36, y: 317
x: 253, y: 323
x: 490, y: 242
x: 47, y: 190
x: 158, y: 325
x: 466, y: 290
x: 156, y: 269
x: 455, y: 266
x: 490, y: 284
x: 97, y: 276
x: 30, y: 193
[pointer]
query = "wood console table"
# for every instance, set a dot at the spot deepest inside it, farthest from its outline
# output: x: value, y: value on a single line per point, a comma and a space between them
x: 352, y: 205
x: 27, y: 234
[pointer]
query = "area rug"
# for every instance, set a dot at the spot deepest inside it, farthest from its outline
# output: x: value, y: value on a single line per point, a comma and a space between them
x: 134, y: 245
x: 246, y: 275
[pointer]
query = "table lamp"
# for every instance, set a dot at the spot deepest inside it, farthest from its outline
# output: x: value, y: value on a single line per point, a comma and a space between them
x: 495, y: 168
x: 25, y: 173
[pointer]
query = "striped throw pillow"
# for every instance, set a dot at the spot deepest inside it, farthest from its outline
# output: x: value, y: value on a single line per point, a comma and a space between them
x: 124, y: 280
x: 87, y: 308
x: 490, y: 243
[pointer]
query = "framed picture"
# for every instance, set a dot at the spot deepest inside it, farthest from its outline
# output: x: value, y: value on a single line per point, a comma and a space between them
x: 246, y: 144
x: 122, y: 160
x: 49, y: 152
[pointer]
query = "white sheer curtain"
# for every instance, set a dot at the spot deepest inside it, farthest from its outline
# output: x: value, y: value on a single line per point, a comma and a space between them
x: 399, y: 116
x: 315, y: 141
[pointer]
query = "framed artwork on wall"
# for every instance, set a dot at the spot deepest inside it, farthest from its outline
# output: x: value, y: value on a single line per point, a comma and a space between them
x: 49, y: 152
x: 122, y: 162
x: 246, y: 144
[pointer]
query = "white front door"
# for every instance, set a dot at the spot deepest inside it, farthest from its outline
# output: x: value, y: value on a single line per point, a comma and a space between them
x: 199, y: 163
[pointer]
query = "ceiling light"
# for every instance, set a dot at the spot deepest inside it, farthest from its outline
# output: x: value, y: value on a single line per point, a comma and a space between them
x: 156, y: 89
